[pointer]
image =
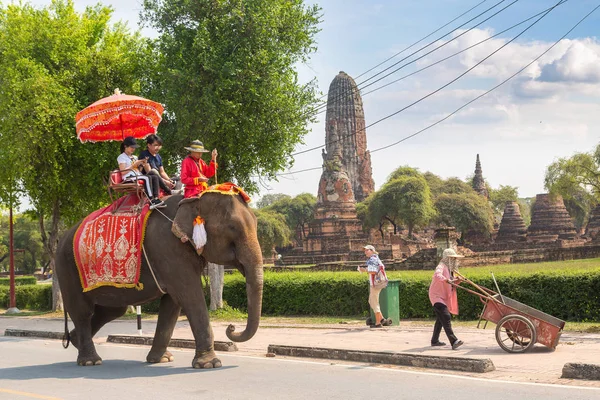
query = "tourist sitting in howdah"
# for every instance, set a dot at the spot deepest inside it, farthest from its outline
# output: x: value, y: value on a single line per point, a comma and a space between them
x: 154, y: 166
x: 195, y: 172
x: 129, y: 165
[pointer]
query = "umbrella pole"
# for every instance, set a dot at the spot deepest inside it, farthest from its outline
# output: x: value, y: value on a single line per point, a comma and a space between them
x: 121, y: 123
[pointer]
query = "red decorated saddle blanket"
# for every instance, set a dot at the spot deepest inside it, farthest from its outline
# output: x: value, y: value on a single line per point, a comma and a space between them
x: 227, y: 188
x: 108, y: 245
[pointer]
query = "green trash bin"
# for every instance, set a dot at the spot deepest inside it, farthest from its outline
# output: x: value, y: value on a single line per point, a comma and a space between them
x: 389, y: 302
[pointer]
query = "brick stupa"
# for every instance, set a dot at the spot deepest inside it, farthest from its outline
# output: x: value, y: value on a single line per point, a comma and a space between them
x: 478, y: 181
x: 512, y: 227
x: 550, y: 220
x: 335, y: 231
x: 593, y: 227
x: 345, y: 118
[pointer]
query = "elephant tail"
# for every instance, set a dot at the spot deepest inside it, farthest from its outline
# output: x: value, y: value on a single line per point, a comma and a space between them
x: 67, y: 337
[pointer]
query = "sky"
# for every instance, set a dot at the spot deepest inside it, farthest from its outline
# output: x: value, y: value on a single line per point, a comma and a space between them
x: 550, y: 110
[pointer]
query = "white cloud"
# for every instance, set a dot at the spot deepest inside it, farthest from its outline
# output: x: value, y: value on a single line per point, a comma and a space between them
x: 580, y: 63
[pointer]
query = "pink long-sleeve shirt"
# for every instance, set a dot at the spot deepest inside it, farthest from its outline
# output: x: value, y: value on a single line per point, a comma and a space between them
x: 441, y: 291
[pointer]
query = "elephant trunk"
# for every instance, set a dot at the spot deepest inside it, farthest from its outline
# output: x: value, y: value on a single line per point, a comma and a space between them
x: 254, y: 291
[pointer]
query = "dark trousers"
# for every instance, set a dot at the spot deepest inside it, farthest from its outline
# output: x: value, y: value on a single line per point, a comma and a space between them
x: 150, y: 184
x: 161, y: 183
x: 443, y: 320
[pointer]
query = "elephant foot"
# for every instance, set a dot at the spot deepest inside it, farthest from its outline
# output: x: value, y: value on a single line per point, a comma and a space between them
x: 163, y: 358
x: 89, y: 361
x: 205, y: 360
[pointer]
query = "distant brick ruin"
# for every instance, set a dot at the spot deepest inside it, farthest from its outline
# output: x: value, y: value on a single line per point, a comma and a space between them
x: 345, y: 132
x: 512, y: 227
x: 550, y: 220
x: 478, y: 181
x: 336, y: 233
x: 336, y: 238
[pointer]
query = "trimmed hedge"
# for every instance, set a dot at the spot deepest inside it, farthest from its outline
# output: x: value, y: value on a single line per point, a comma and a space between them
x: 29, y: 297
x: 19, y: 280
x: 572, y: 295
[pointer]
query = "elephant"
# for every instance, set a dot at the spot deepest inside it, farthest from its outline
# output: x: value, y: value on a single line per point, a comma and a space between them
x: 232, y: 240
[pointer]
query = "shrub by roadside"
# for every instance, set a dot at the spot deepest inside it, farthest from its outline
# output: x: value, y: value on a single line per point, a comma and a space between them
x: 19, y: 280
x: 570, y: 295
x: 31, y: 297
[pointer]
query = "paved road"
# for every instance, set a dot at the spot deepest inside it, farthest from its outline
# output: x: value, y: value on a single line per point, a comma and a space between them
x: 541, y: 365
x: 41, y: 369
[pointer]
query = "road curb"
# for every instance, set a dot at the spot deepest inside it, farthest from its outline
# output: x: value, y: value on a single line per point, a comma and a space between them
x: 182, y: 343
x: 30, y: 333
x: 124, y: 339
x: 412, y: 360
x: 589, y: 372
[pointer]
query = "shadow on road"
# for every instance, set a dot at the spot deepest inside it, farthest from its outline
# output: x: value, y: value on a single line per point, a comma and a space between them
x: 110, y: 369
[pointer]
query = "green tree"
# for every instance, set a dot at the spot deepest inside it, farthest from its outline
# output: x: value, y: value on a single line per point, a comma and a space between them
x: 372, y: 214
x: 525, y: 209
x: 54, y: 62
x: 577, y: 180
x: 435, y: 184
x: 466, y: 212
x: 402, y: 171
x: 26, y: 239
x: 269, y: 199
x: 455, y: 186
x: 298, y: 212
x: 226, y: 74
x: 405, y: 200
x: 500, y: 196
x: 272, y: 230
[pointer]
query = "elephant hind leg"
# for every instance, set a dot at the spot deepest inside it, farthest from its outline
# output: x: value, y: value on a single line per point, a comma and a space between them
x: 168, y: 313
x: 81, y: 314
x: 100, y: 317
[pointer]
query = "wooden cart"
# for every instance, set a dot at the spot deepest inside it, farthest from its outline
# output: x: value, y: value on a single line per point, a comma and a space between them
x: 518, y: 326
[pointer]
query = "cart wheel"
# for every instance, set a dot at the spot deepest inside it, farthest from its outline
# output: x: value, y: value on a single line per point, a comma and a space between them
x: 515, y: 334
x: 369, y: 321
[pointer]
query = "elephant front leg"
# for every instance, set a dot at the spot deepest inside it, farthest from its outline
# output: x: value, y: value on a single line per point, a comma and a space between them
x: 197, y: 314
x: 167, y: 318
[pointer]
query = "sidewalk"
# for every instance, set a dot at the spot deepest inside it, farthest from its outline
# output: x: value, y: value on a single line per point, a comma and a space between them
x: 540, y: 365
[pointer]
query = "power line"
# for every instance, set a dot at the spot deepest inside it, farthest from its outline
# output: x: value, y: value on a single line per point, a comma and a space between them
x: 483, y: 94
x: 492, y: 89
x: 418, y: 41
x: 459, y: 52
x: 423, y: 38
x: 352, y: 91
x: 440, y: 88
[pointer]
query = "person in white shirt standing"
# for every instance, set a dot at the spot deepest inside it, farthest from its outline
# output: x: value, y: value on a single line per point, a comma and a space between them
x: 377, y: 278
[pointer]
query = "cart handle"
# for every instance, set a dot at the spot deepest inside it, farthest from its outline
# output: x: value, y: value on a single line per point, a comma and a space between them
x: 483, y: 289
x: 485, y: 294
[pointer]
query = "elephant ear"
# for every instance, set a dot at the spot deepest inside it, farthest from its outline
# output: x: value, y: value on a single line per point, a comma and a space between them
x: 183, y: 223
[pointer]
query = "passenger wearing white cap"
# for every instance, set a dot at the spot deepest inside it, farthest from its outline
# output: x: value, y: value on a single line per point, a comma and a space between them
x: 377, y: 281
x: 444, y: 299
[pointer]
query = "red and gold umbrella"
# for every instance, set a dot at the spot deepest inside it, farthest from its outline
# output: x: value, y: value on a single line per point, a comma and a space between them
x: 118, y: 116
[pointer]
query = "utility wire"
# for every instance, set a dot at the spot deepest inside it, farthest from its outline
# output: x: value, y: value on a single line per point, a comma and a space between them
x: 443, y: 86
x: 423, y: 38
x: 459, y: 52
x: 324, y: 104
x: 480, y: 96
x: 492, y: 89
